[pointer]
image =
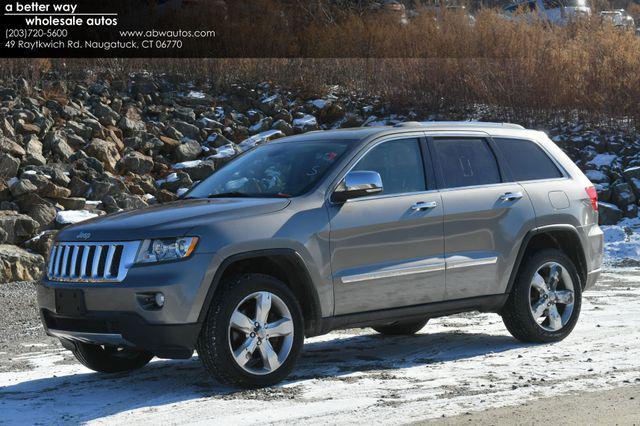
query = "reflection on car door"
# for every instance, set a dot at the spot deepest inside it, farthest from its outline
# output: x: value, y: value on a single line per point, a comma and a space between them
x: 385, y: 251
x: 485, y: 216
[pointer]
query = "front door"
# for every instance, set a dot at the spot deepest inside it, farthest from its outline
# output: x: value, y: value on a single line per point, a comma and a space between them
x: 485, y: 216
x: 387, y: 249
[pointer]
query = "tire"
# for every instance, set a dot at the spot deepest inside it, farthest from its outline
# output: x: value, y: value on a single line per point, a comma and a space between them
x: 525, y: 298
x: 219, y: 338
x: 401, y: 328
x: 109, y: 359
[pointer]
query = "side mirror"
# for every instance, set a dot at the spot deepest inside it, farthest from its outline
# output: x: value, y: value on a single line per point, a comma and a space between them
x: 358, y: 184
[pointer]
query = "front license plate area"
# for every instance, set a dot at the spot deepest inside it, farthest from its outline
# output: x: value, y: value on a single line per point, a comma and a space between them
x: 70, y: 302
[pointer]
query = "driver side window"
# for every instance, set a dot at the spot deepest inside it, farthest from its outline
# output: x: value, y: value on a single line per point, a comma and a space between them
x: 399, y: 163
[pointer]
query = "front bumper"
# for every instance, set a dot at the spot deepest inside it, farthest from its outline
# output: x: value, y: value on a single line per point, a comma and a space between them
x: 114, y: 313
x: 122, y: 329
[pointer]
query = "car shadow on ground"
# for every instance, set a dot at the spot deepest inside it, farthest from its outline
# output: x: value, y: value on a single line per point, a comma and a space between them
x: 86, y: 396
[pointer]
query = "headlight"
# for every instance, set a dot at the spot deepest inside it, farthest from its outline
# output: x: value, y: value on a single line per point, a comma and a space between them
x: 162, y: 250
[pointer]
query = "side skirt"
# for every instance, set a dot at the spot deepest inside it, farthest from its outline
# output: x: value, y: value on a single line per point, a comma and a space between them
x: 491, y: 303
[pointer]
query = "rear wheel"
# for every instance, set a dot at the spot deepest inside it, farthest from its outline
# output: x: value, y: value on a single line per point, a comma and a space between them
x: 544, y: 305
x: 110, y: 359
x: 253, y: 333
x: 399, y: 328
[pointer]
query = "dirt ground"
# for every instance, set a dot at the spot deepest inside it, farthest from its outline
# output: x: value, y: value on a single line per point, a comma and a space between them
x: 463, y: 369
x: 611, y: 407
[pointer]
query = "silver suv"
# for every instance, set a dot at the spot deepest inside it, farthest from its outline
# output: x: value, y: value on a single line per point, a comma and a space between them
x: 383, y: 227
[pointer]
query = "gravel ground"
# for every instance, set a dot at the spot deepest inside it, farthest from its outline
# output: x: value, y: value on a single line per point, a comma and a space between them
x: 456, y: 365
x: 20, y: 329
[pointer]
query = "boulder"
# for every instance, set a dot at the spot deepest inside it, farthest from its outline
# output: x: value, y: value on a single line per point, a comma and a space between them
x: 72, y: 203
x: 9, y: 166
x: 105, y: 151
x: 188, y: 151
x: 22, y: 187
x: 18, y: 227
x: 596, y: 176
x: 604, y: 191
x: 60, y: 147
x: 198, y: 170
x: 164, y: 196
x: 170, y: 144
x: 37, y: 208
x: 78, y: 187
x: 17, y: 264
x: 51, y: 190
x: 42, y: 243
x: 136, y: 162
x: 130, y: 126
x: 10, y: 147
x: 122, y: 201
x: 609, y: 214
x: 622, y: 194
x: 188, y: 130
x: 177, y: 180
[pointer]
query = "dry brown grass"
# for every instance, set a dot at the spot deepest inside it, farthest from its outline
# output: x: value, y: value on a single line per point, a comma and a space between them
x: 519, y: 68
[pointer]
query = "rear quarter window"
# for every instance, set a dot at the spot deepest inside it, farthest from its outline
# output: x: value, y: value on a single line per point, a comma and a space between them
x: 527, y: 160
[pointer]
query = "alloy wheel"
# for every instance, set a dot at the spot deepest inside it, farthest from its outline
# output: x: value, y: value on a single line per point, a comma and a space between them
x: 260, y: 333
x: 552, y: 296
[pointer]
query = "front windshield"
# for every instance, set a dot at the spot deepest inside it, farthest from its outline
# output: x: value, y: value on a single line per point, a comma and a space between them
x: 273, y: 170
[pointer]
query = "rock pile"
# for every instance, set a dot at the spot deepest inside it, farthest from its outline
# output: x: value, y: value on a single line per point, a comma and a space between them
x: 611, y: 160
x: 84, y: 150
x: 111, y: 145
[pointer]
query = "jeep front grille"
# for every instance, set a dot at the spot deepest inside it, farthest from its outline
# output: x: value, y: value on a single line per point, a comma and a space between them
x: 91, y: 262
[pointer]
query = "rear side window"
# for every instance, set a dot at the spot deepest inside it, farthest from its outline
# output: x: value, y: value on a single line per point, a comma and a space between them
x: 527, y: 160
x: 466, y: 162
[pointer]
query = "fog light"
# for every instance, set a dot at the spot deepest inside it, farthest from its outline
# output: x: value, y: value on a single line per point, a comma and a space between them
x: 159, y: 299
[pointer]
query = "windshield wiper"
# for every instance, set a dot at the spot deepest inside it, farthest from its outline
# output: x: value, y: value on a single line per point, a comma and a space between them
x: 244, y: 195
x: 231, y: 195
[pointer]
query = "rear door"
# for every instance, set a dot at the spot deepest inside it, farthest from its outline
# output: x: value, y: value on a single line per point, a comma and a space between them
x: 486, y: 215
x: 385, y: 251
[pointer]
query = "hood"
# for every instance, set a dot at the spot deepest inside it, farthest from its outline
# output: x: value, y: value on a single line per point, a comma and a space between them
x: 168, y: 220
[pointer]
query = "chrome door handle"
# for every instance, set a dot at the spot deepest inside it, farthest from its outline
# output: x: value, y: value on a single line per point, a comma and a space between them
x: 511, y: 196
x: 421, y: 206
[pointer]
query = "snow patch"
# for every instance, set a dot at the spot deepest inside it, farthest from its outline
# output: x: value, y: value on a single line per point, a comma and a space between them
x: 67, y: 217
x: 225, y: 151
x: 319, y: 103
x: 596, y: 176
x: 254, y: 140
x: 186, y: 164
x: 306, y: 121
x: 196, y: 95
x: 602, y: 160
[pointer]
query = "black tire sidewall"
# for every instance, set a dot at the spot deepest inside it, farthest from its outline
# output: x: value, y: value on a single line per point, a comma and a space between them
x: 237, y: 289
x: 522, y: 295
x: 96, y: 358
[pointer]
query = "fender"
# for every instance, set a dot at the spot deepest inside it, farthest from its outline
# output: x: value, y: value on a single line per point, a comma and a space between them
x: 312, y: 324
x: 525, y: 243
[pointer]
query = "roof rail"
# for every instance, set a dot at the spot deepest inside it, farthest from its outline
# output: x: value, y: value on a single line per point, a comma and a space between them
x: 459, y: 124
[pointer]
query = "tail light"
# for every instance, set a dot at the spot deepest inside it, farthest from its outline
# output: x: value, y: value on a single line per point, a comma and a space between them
x: 593, y: 196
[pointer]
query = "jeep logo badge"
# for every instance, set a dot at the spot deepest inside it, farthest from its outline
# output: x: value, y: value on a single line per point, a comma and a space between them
x: 83, y: 235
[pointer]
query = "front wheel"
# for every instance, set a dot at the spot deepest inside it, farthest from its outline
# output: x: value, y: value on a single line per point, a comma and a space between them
x: 545, y: 302
x: 253, y: 333
x: 110, y: 359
